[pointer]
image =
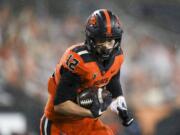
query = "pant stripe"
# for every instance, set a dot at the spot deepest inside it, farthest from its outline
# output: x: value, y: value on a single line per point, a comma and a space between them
x: 42, y: 125
x: 46, y: 126
x: 49, y: 127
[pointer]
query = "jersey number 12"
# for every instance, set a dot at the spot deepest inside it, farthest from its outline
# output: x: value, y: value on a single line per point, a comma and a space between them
x: 71, y: 62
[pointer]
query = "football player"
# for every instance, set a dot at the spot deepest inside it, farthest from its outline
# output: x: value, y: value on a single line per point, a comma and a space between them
x: 94, y: 63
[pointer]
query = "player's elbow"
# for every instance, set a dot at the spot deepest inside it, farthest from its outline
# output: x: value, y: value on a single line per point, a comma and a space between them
x: 58, y: 105
x: 61, y: 107
x: 56, y: 108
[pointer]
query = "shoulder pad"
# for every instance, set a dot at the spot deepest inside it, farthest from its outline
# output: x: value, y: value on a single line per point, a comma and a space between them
x: 84, y: 53
x: 73, y: 61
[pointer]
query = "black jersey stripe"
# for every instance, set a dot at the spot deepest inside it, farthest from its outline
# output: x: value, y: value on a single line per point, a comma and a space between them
x: 87, y: 58
x: 79, y: 48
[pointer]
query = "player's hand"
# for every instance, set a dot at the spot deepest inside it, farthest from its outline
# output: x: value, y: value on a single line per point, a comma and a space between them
x: 119, y: 106
x: 95, y: 99
x: 127, y: 119
x: 107, y: 99
x: 96, y: 108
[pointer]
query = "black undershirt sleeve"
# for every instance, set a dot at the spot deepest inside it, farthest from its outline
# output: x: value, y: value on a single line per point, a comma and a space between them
x: 66, y: 89
x: 114, y: 86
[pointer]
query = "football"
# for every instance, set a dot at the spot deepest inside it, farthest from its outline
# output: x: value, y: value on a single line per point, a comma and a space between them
x: 85, y: 97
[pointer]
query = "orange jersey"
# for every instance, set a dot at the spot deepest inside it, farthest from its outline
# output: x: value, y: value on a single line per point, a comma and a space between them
x: 78, y: 60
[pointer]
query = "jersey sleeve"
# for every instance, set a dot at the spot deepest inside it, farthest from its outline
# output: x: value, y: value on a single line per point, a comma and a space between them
x: 114, y: 86
x: 69, y: 73
x: 67, y: 87
x: 74, y: 63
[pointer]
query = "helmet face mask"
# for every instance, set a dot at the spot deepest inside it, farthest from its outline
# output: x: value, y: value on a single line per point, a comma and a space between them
x: 104, y: 48
x: 103, y: 33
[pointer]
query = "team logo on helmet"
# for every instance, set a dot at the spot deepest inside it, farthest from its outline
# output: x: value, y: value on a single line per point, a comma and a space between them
x: 92, y: 20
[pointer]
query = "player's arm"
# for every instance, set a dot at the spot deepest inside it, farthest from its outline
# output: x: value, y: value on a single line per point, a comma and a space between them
x: 119, y: 104
x: 70, y: 108
x: 66, y: 95
x: 114, y: 86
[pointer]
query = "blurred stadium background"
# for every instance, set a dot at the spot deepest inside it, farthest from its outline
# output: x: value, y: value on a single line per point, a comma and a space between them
x: 35, y: 33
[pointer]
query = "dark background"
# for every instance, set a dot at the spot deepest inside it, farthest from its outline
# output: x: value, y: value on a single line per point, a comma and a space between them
x: 35, y: 33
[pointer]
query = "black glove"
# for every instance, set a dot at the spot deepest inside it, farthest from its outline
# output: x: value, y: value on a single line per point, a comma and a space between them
x: 102, y: 99
x: 127, y: 119
x: 96, y: 109
x: 106, y: 101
